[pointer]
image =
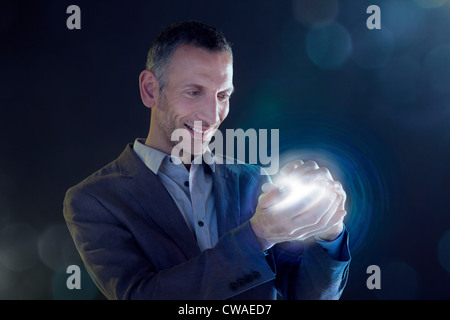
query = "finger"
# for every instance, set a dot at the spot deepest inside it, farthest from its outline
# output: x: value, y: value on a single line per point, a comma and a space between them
x: 303, y: 166
x: 324, y: 219
x: 306, y: 233
x: 311, y: 173
x: 325, y: 173
x: 311, y: 164
x: 287, y: 168
x: 340, y: 190
x: 332, y: 218
x: 313, y: 213
x: 267, y: 186
x: 273, y: 195
x: 299, y: 197
x: 338, y: 218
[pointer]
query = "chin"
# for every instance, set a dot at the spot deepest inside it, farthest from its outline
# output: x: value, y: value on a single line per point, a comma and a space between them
x: 197, y: 150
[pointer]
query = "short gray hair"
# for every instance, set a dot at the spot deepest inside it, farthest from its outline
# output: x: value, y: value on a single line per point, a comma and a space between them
x: 193, y: 33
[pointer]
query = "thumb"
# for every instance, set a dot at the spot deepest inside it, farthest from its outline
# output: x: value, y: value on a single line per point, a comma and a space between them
x: 272, y: 194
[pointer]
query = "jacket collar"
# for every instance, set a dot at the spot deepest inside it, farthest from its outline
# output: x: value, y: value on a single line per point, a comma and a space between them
x: 145, y: 187
x: 156, y: 202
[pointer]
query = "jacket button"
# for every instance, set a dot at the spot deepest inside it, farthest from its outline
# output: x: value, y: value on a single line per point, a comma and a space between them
x: 256, y: 275
x: 248, y: 278
x: 241, y: 282
x: 234, y: 286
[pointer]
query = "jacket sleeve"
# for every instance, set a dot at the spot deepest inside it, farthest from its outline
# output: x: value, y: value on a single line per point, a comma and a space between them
x: 121, y: 270
x: 304, y: 270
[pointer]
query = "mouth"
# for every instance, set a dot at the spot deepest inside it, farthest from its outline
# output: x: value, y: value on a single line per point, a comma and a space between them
x: 195, y: 129
x: 198, y: 129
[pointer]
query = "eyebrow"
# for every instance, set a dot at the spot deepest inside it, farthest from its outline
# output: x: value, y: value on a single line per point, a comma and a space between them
x: 195, y: 85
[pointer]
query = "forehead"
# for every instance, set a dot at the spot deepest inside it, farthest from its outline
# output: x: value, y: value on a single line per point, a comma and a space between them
x: 190, y: 63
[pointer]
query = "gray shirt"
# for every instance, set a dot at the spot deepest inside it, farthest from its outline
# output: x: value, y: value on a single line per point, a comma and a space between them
x: 191, y: 190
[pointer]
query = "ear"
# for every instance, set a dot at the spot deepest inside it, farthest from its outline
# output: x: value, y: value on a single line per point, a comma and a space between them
x: 149, y: 87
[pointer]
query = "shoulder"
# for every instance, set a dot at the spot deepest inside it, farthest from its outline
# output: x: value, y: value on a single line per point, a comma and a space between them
x: 91, y: 190
x: 108, y: 178
x: 100, y: 192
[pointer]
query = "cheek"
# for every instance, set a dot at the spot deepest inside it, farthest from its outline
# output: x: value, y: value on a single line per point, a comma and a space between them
x: 184, y: 107
x: 178, y: 110
x: 223, y: 113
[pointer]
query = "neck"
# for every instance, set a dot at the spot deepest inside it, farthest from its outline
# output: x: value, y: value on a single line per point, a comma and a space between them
x: 185, y: 157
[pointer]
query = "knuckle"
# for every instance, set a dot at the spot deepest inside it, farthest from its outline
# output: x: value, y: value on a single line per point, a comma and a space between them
x: 297, y: 163
x: 261, y: 199
x: 337, y: 184
x: 284, y: 229
x: 311, y: 163
x: 312, y: 220
x: 324, y: 171
x: 322, y: 223
x: 290, y: 166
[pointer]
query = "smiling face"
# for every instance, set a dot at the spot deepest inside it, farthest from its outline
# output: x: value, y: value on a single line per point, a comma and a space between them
x: 199, y: 85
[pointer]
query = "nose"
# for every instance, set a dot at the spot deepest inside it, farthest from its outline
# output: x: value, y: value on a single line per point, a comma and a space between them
x: 209, y: 112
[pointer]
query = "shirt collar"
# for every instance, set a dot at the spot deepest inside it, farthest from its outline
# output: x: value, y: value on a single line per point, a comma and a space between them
x: 153, y: 158
x: 150, y: 156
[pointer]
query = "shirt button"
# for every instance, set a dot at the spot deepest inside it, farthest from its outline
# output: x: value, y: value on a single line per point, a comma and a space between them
x: 201, y: 224
x: 186, y: 183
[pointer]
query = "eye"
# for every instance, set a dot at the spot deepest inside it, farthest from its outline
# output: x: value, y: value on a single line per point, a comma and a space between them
x: 223, y: 96
x: 193, y: 93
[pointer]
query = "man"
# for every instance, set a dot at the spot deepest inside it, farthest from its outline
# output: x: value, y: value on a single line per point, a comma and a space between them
x: 148, y: 228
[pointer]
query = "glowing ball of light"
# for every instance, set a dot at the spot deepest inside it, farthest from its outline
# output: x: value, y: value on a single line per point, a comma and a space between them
x: 300, y: 192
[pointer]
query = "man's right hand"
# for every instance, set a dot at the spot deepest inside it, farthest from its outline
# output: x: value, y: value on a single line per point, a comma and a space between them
x: 312, y: 213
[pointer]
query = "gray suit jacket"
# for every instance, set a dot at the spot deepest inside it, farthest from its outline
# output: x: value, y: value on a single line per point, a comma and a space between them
x: 135, y: 243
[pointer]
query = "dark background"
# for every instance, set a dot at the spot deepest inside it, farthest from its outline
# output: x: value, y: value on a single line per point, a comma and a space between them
x: 373, y: 105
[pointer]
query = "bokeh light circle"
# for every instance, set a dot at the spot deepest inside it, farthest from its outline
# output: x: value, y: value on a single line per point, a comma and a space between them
x: 328, y: 46
x: 406, y: 22
x: 372, y: 49
x: 431, y: 3
x: 18, y: 249
x: 437, y: 64
x: 56, y: 247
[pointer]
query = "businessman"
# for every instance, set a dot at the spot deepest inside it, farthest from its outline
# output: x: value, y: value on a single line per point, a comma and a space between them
x: 147, y: 227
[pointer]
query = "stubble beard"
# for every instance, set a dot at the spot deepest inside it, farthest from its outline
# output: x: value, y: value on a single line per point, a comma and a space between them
x: 167, y: 123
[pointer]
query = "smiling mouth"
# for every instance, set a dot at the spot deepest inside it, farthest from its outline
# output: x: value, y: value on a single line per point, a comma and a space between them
x: 195, y: 129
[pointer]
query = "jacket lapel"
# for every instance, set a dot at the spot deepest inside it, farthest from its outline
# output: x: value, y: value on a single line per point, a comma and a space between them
x: 158, y: 205
x: 227, y: 200
x: 156, y: 202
